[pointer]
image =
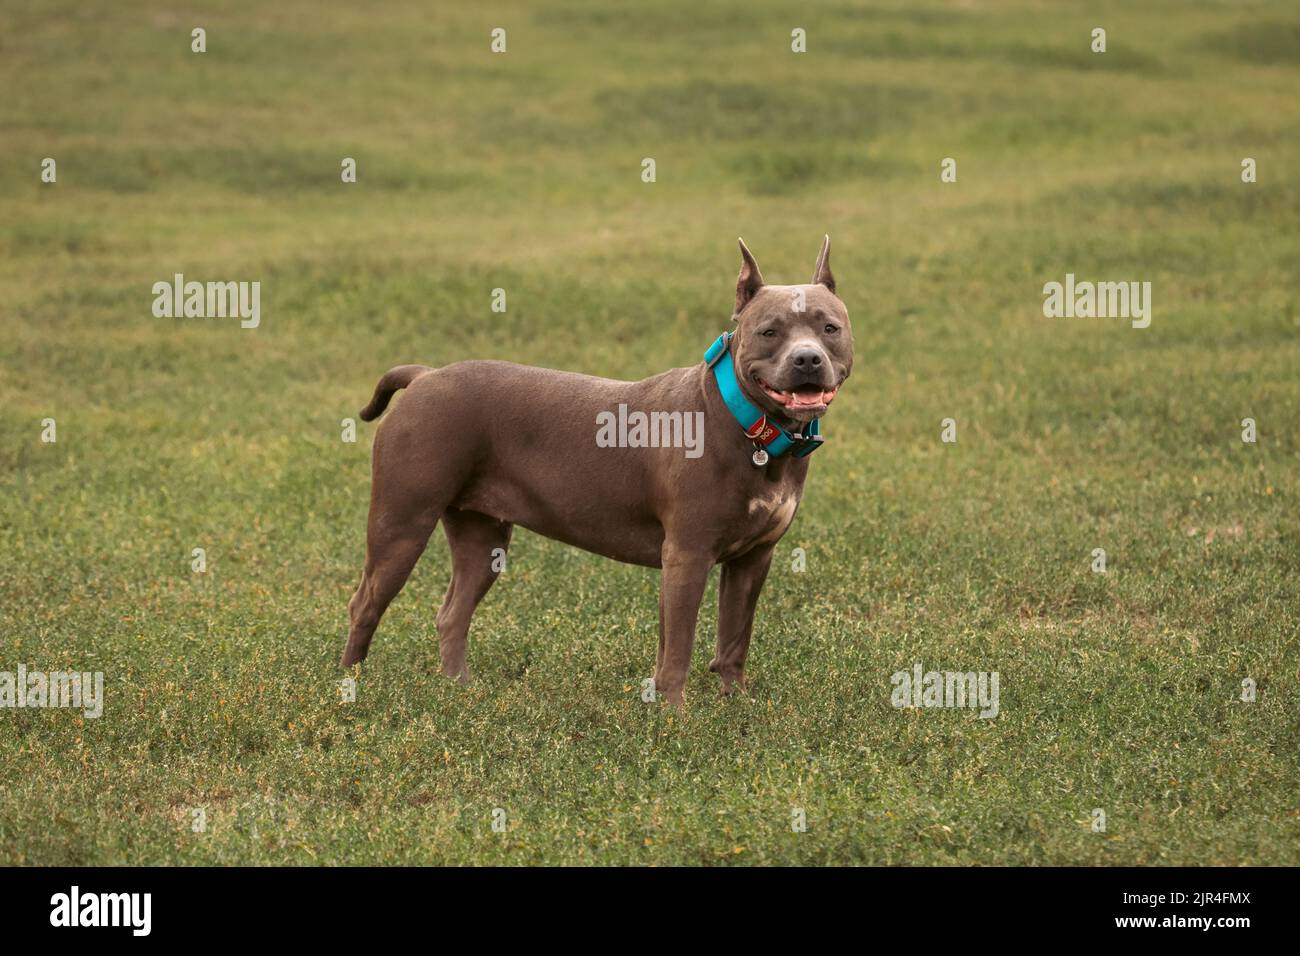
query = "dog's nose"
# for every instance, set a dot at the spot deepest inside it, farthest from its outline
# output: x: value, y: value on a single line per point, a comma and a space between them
x: 806, y: 360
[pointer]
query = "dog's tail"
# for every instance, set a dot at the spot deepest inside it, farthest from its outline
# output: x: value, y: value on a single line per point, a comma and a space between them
x: 391, y: 381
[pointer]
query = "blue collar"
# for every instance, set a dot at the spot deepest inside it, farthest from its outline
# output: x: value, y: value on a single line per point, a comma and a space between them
x: 767, y: 436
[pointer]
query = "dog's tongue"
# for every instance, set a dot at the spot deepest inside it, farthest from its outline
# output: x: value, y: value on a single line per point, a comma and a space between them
x: 809, y: 395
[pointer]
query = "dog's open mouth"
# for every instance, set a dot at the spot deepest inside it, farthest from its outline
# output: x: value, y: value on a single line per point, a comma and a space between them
x: 803, y: 398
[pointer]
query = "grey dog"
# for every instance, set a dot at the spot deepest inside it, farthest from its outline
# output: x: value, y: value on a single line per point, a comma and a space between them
x: 483, y: 446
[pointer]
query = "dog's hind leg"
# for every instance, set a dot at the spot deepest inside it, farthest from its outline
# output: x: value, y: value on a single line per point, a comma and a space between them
x: 389, y: 560
x: 659, y: 657
x: 478, y: 549
x: 403, y: 513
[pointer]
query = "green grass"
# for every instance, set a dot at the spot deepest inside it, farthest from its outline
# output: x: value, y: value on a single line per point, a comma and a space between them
x: 1118, y: 691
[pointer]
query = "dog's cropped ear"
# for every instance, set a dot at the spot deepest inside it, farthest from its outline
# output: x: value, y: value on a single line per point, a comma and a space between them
x: 822, y: 275
x: 750, y: 280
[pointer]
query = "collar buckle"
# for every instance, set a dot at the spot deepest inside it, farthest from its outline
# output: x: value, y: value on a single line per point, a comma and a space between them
x: 805, y: 444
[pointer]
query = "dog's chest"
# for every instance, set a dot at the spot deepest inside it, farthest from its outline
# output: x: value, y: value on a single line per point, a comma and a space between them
x: 774, y: 509
x: 767, y: 515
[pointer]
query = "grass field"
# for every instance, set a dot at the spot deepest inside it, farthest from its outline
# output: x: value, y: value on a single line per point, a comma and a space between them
x: 1119, y: 691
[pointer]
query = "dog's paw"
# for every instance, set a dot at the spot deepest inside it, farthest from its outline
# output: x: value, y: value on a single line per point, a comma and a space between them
x: 734, y: 685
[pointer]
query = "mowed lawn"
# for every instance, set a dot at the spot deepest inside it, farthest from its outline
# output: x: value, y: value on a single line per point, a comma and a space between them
x: 1119, y: 692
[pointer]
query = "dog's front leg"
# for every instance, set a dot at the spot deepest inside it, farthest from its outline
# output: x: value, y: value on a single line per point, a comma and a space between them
x: 685, y: 573
x: 742, y: 580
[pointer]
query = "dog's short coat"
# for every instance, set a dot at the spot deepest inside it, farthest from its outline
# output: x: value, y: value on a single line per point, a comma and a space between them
x: 483, y: 446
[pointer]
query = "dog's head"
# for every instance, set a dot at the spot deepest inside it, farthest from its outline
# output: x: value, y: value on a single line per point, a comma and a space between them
x: 793, y: 345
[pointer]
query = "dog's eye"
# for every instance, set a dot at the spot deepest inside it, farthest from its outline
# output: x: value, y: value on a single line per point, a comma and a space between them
x: 769, y: 332
x: 831, y: 329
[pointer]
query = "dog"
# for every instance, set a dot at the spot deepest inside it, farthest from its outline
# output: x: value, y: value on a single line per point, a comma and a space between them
x: 483, y: 446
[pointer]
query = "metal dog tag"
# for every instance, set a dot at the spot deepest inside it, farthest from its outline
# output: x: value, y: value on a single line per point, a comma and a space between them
x: 760, y: 458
